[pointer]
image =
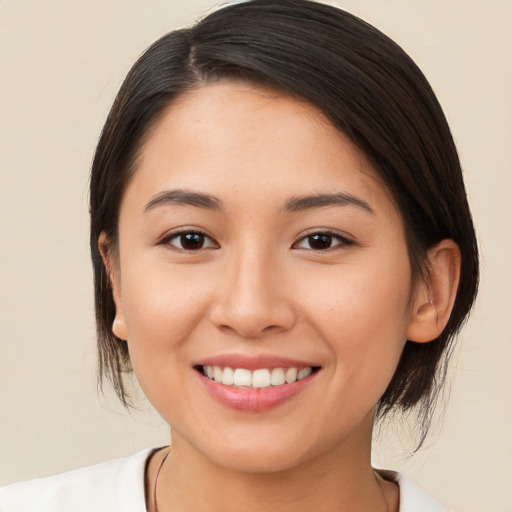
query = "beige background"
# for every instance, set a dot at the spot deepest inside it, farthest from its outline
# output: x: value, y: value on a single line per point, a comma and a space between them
x: 61, y: 63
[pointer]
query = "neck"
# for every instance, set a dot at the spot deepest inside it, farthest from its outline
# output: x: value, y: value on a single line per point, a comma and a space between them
x: 340, y: 481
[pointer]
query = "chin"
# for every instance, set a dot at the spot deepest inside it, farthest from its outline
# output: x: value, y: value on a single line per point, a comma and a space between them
x: 249, y: 455
x: 257, y: 461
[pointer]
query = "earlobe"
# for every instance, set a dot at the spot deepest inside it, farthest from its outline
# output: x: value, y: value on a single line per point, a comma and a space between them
x: 435, y: 297
x: 118, y: 326
x: 112, y: 269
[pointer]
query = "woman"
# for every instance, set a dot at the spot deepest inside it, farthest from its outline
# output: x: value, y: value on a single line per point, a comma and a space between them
x: 283, y: 252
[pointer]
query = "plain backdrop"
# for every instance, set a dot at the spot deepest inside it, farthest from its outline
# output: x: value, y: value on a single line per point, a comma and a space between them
x: 61, y: 63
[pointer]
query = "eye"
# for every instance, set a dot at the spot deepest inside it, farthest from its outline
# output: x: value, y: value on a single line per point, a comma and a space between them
x: 321, y: 241
x: 189, y: 241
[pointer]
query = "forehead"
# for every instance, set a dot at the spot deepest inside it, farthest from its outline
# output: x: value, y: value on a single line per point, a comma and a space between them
x: 236, y: 135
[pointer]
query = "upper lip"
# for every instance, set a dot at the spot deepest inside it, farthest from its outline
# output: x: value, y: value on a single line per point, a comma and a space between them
x: 251, y: 362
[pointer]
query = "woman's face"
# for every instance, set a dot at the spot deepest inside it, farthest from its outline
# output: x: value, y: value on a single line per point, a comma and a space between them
x: 255, y: 243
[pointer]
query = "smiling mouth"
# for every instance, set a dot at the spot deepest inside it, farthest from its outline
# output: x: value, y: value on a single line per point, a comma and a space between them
x: 259, y: 378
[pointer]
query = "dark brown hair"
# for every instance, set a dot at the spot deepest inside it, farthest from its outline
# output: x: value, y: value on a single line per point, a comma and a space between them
x: 369, y: 89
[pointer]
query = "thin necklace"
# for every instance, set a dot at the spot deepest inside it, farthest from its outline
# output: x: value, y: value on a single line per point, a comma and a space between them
x: 156, y: 479
x: 167, y: 454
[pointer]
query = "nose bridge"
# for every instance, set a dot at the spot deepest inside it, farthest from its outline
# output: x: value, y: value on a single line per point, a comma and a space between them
x: 251, y: 300
x: 253, y: 278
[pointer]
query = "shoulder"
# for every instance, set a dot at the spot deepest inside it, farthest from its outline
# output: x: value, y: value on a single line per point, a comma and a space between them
x: 113, y: 485
x: 412, y: 497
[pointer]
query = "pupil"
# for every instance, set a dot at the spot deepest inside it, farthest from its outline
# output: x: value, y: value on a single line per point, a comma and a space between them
x: 192, y: 241
x: 320, y: 241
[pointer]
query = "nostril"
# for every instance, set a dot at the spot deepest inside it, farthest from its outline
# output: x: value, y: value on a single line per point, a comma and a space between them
x: 250, y: 314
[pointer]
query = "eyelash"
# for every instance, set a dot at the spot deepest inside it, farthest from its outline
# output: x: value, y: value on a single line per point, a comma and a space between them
x: 189, y: 232
x: 328, y: 234
x: 332, y: 235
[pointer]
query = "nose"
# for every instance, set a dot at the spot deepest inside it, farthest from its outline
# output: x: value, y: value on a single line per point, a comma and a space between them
x: 252, y: 300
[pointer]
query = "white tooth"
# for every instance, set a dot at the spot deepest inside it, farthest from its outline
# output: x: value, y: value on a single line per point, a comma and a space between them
x: 303, y: 373
x: 217, y: 373
x: 261, y: 378
x: 290, y: 375
x: 227, y: 376
x: 277, y: 377
x: 242, y: 377
x: 209, y: 371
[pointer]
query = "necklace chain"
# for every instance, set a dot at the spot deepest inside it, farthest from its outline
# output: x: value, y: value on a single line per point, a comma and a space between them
x: 167, y: 454
x: 156, y: 479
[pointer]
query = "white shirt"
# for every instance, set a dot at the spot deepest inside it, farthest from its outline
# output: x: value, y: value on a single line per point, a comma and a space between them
x: 118, y: 486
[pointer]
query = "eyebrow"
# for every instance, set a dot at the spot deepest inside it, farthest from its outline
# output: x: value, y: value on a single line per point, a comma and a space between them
x: 182, y: 197
x: 301, y: 203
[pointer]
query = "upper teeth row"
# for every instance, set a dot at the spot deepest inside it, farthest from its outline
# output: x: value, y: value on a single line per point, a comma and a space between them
x: 262, y: 378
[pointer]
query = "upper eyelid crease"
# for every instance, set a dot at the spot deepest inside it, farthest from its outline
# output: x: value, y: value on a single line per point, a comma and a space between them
x: 179, y: 232
x: 167, y: 239
x: 345, y: 240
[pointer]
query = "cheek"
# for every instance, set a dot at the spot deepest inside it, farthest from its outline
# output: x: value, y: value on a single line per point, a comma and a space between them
x: 162, y: 306
x: 362, y: 316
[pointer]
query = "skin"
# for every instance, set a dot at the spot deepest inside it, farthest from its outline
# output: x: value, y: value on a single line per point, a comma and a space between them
x: 258, y: 286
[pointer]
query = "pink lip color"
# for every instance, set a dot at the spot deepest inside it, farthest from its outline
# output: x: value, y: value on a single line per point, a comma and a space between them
x: 253, y: 399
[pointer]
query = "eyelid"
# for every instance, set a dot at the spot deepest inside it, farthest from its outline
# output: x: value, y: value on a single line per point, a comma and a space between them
x: 177, y: 232
x: 344, y: 239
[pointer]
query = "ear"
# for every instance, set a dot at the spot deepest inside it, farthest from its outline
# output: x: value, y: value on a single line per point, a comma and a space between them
x: 435, y: 296
x: 112, y: 267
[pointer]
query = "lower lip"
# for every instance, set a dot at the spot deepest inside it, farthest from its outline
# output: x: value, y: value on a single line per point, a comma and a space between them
x: 254, y: 399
